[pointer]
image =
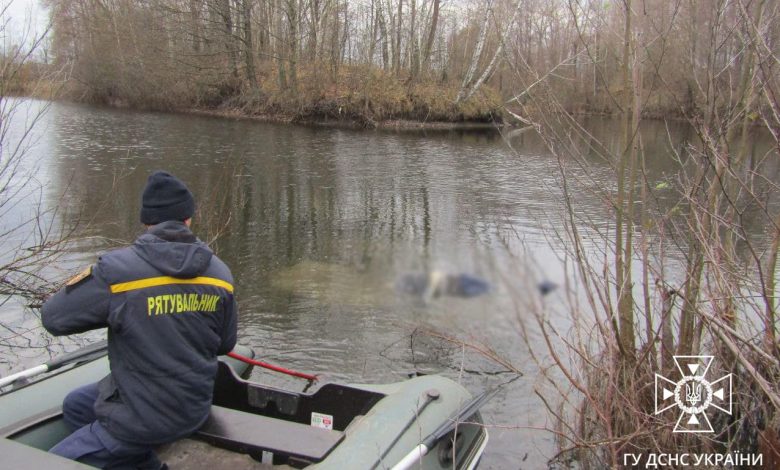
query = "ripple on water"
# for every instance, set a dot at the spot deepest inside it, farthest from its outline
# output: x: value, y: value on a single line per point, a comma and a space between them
x: 321, y: 223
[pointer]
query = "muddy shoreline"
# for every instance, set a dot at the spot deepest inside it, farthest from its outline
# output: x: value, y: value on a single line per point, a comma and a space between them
x: 351, y: 123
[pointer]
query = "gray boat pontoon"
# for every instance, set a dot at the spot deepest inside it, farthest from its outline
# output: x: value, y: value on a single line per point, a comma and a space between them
x: 427, y: 422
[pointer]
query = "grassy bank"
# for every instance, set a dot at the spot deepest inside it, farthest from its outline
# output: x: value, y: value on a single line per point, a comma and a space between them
x: 357, y: 96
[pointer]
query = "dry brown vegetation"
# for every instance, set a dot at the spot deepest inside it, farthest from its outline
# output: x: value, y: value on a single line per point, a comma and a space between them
x: 362, y: 61
x: 693, y: 278
x: 373, y: 60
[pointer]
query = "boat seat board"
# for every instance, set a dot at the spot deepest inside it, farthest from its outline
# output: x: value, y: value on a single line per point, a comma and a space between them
x: 250, y: 433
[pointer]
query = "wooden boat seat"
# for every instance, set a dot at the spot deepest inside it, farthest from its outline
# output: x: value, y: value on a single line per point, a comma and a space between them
x: 249, y: 433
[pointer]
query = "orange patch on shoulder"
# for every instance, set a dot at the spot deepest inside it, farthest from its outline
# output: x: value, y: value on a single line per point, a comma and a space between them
x: 79, y: 277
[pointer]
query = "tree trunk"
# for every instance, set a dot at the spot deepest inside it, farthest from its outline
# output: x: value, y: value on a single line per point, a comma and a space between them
x: 426, y: 57
x: 335, y: 45
x: 249, y: 59
x: 398, y: 33
x: 475, y: 56
x: 263, y: 36
x: 372, y: 34
x: 195, y: 24
x: 314, y: 12
x: 280, y: 50
x: 731, y: 186
x: 292, y: 40
x: 383, y: 36
x: 228, y: 38
x: 491, y: 66
x: 414, y: 53
x: 623, y: 224
x: 667, y: 338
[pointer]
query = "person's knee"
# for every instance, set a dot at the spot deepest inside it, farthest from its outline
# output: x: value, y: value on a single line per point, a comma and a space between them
x: 78, y: 406
x: 76, y: 402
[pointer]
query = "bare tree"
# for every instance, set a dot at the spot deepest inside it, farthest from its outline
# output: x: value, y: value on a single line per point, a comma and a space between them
x: 723, y: 297
x: 31, y: 235
x: 248, y: 40
x: 426, y: 55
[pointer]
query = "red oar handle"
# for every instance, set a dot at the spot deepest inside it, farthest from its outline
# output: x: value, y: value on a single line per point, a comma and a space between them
x: 309, y: 377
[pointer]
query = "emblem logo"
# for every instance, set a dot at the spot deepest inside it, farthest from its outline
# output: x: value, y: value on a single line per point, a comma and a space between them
x: 693, y: 394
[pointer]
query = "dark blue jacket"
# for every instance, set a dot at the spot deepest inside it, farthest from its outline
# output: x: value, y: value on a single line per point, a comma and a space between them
x: 168, y: 303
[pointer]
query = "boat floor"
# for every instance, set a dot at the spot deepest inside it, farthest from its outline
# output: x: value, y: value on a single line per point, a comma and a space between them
x: 196, y: 455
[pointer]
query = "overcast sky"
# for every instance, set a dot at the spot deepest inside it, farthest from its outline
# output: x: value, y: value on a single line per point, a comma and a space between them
x: 22, y: 19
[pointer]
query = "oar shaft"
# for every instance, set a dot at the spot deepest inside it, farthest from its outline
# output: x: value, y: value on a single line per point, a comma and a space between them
x: 255, y: 362
x: 24, y: 374
x: 412, y: 458
x: 84, y: 354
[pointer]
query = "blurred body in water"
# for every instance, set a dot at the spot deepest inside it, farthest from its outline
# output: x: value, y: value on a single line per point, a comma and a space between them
x: 437, y: 283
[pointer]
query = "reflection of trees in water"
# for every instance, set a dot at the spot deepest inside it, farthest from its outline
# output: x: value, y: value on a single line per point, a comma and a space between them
x: 299, y: 192
x: 315, y: 220
x: 371, y: 201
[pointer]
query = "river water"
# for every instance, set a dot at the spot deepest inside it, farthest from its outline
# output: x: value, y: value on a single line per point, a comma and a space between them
x: 317, y: 225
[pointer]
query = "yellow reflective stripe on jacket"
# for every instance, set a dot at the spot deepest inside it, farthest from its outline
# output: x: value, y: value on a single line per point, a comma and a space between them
x: 168, y: 280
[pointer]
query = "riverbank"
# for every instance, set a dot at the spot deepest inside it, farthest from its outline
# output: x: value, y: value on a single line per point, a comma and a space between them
x: 360, y: 100
x: 480, y: 113
x: 343, y: 122
x: 359, y: 97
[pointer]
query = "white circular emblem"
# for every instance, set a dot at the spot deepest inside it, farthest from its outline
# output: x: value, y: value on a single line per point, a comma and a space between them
x: 690, y: 389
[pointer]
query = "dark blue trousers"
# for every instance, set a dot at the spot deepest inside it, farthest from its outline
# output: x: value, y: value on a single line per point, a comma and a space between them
x: 91, y: 444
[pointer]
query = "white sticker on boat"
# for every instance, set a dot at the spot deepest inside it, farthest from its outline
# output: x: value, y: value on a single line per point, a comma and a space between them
x: 319, y: 420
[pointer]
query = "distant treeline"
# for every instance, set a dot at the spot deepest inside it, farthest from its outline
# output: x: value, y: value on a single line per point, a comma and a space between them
x: 370, y: 60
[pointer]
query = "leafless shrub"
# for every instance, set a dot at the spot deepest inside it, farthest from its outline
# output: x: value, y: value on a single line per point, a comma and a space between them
x: 34, y: 232
x: 694, y: 278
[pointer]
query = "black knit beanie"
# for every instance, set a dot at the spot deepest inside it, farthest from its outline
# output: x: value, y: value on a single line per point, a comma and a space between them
x: 165, y: 198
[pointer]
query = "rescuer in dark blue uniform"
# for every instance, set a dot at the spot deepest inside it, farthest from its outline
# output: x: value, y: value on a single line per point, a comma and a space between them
x: 168, y: 304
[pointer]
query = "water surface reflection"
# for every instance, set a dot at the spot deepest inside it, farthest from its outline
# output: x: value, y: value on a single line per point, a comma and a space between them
x: 317, y: 224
